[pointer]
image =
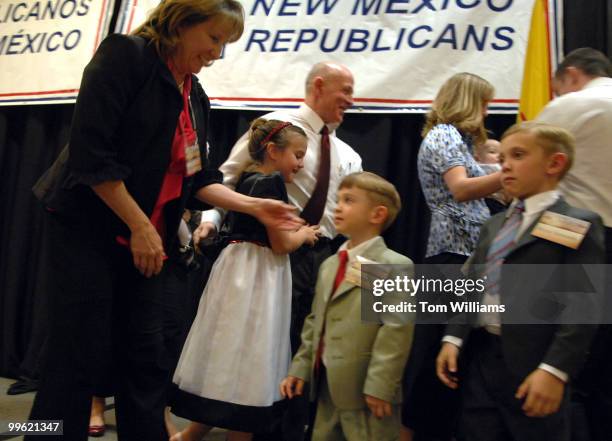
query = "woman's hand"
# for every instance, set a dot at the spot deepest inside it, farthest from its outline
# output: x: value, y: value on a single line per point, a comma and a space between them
x: 277, y: 214
x: 464, y: 188
x: 147, y: 249
x: 145, y: 243
x: 270, y: 212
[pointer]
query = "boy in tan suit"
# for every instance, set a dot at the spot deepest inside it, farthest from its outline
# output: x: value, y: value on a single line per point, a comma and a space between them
x: 354, y: 368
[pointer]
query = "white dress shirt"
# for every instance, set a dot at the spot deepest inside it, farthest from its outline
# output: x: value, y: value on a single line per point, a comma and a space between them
x: 359, y: 249
x: 587, y: 114
x: 343, y: 161
x: 491, y: 321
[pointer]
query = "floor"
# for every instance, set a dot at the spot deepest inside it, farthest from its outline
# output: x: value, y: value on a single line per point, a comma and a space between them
x: 15, y: 408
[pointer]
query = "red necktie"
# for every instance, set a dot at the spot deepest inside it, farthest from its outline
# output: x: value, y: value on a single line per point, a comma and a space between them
x: 313, y: 211
x: 343, y: 259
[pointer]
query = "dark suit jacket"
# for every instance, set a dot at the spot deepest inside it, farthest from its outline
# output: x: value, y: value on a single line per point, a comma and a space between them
x: 525, y: 346
x: 124, y: 122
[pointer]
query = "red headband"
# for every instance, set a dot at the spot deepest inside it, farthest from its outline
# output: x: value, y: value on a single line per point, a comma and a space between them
x: 273, y: 132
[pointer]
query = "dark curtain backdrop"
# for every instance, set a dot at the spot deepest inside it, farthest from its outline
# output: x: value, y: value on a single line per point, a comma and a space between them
x: 32, y: 136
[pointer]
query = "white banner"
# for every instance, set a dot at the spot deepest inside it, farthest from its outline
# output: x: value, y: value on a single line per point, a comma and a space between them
x: 44, y: 46
x: 400, y: 51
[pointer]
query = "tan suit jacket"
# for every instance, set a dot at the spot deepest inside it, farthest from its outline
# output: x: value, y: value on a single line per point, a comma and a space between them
x: 360, y: 358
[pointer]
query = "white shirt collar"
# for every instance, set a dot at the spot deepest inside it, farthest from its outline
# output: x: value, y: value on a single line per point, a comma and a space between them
x: 359, y: 249
x: 538, y: 202
x: 598, y: 81
x: 314, y: 120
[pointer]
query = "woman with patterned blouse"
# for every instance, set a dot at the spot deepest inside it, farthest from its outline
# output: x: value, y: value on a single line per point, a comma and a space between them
x: 454, y: 186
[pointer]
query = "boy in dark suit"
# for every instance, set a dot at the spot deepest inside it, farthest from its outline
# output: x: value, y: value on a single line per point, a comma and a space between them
x: 514, y: 376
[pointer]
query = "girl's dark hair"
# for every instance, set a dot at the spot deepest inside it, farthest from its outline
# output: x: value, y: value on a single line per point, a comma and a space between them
x: 264, y: 131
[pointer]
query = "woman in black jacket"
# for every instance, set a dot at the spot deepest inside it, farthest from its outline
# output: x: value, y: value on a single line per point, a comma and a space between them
x: 136, y: 159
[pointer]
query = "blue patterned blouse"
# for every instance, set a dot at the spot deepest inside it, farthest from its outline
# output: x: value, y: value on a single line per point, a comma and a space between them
x: 455, y: 226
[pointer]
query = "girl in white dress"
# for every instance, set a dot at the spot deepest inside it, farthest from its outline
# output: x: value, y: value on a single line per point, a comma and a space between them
x: 238, y: 348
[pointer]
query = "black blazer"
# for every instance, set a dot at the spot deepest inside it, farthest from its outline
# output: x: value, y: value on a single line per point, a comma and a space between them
x: 123, y: 125
x: 525, y: 346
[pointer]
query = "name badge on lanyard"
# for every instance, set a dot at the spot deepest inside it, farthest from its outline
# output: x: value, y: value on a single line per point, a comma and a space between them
x: 193, y: 159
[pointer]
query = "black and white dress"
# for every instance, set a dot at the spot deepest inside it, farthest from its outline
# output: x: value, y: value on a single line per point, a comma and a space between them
x: 238, y: 348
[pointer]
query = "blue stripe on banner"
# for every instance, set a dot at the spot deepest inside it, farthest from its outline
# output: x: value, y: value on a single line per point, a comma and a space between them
x: 124, y: 13
x: 256, y: 106
x: 38, y: 100
x: 106, y: 21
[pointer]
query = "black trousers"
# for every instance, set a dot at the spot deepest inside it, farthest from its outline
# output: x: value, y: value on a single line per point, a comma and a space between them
x: 305, y: 263
x: 592, y: 395
x: 429, y: 407
x: 105, y: 318
x: 489, y: 410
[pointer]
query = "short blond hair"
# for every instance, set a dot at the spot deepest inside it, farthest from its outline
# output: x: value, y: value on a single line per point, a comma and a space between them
x: 459, y: 103
x: 165, y: 20
x: 379, y: 191
x: 552, y: 139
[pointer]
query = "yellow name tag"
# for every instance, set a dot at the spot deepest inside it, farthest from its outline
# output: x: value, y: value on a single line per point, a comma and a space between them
x: 561, y: 229
x: 372, y: 271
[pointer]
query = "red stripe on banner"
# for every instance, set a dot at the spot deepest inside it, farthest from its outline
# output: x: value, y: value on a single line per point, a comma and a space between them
x: 384, y: 100
x: 50, y: 92
x: 129, y: 26
x: 547, y: 14
x: 357, y: 100
x: 53, y: 92
x: 229, y: 98
x: 99, y: 26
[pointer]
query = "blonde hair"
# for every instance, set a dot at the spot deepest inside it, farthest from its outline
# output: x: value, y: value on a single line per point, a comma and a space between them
x: 379, y: 190
x: 264, y: 131
x: 163, y: 23
x: 460, y: 102
x: 552, y: 139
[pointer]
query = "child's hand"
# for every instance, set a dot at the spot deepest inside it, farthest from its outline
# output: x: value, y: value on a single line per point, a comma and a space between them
x: 379, y: 408
x: 311, y: 234
x: 544, y: 393
x: 446, y: 365
x: 291, y: 387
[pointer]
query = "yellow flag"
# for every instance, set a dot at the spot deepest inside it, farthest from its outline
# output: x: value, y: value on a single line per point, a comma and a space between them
x: 536, y: 90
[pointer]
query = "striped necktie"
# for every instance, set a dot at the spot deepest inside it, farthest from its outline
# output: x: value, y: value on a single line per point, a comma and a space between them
x: 499, y: 249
